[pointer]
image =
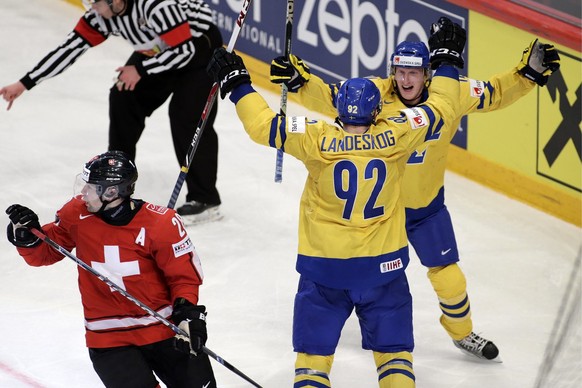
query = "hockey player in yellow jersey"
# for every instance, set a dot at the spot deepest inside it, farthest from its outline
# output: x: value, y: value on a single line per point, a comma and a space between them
x: 353, y: 247
x: 428, y: 223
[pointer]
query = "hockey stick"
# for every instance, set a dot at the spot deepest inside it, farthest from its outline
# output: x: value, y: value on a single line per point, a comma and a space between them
x: 136, y: 301
x: 283, y: 105
x: 207, y: 108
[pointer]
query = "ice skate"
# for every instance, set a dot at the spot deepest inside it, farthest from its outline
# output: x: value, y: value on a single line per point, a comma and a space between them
x: 479, y: 347
x: 194, y: 213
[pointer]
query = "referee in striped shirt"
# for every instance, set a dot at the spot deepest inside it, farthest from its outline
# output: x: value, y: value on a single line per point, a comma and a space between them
x: 172, y: 41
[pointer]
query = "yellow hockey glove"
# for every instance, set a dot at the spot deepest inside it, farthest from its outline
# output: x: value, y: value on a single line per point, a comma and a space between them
x: 292, y: 72
x: 538, y: 62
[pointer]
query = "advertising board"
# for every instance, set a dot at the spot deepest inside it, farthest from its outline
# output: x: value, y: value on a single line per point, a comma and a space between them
x: 339, y: 39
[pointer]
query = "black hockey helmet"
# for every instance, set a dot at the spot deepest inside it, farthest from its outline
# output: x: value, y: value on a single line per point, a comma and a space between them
x: 109, y: 169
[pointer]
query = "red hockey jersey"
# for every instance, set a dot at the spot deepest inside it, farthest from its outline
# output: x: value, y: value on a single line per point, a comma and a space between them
x: 152, y: 258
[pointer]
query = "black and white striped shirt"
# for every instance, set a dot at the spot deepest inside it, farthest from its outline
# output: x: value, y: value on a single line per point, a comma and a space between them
x: 164, y: 30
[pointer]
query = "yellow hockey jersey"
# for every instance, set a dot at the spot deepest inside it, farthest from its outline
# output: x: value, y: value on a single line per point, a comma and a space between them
x: 352, y: 222
x: 425, y: 171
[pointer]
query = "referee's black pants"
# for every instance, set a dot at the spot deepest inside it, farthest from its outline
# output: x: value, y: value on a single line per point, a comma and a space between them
x: 189, y: 88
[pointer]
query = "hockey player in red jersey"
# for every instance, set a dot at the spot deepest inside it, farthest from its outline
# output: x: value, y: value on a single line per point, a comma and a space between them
x: 144, y: 249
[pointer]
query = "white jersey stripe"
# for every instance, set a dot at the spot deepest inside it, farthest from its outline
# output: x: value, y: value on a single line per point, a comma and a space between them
x: 123, y: 323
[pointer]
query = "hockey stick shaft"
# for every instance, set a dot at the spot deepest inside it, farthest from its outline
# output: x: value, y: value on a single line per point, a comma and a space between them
x: 207, y: 108
x: 136, y: 301
x: 283, y: 105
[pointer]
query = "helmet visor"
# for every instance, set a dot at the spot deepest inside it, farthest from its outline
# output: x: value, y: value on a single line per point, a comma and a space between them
x: 87, y: 191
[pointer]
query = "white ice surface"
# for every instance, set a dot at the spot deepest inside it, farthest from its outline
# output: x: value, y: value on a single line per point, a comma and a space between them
x: 517, y: 259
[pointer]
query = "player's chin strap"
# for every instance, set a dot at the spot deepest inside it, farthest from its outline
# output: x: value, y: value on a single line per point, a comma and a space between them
x: 104, y: 204
x: 110, y: 195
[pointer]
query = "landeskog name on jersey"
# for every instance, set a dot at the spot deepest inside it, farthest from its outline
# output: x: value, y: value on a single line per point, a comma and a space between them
x: 363, y: 142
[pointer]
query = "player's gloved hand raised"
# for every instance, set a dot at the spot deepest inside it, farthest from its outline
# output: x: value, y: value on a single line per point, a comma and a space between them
x: 228, y: 70
x: 18, y: 231
x: 292, y: 72
x: 446, y: 43
x: 192, y: 319
x: 538, y: 62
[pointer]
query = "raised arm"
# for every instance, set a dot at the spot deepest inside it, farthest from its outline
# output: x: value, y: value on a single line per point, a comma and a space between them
x: 539, y: 61
x: 261, y: 123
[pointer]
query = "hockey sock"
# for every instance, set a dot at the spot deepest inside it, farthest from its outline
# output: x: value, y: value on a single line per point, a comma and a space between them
x: 312, y: 371
x: 395, y: 370
x: 451, y: 288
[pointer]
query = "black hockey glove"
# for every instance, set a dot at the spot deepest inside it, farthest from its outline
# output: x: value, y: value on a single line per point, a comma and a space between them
x: 192, y: 319
x: 292, y: 72
x: 446, y: 43
x: 538, y: 62
x: 228, y: 70
x: 18, y: 231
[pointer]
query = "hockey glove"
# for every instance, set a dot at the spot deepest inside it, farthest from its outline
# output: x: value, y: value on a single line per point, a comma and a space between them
x: 446, y: 43
x: 18, y: 231
x: 538, y: 62
x: 228, y: 70
x: 292, y: 72
x: 191, y: 319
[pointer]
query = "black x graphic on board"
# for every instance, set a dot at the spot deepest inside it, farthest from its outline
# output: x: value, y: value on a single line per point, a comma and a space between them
x: 569, y: 128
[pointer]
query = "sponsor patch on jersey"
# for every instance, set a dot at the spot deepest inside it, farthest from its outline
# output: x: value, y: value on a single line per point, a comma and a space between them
x: 416, y: 117
x: 296, y: 124
x: 389, y: 266
x: 183, y: 247
x: 157, y: 208
x: 400, y: 60
x: 477, y: 88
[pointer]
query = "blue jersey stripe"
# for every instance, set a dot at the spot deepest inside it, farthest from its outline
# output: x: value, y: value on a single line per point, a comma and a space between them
x: 355, y: 272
